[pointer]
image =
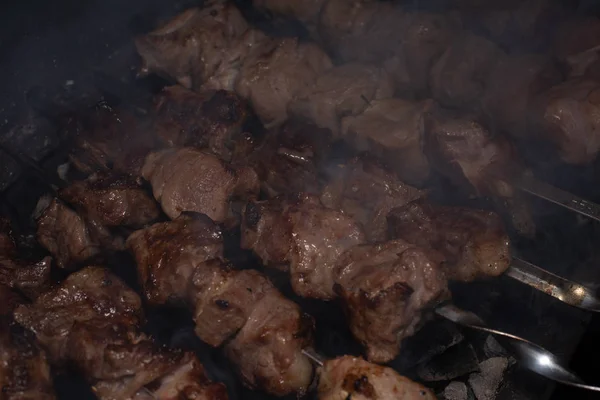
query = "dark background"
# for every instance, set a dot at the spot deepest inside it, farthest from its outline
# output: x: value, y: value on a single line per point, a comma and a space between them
x: 59, y: 44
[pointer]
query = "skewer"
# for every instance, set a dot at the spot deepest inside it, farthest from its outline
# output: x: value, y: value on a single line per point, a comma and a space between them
x: 540, y: 189
x: 562, y: 289
x: 532, y: 356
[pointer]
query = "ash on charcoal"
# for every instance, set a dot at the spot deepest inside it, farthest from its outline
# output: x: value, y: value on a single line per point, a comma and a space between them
x: 36, y: 137
x: 485, y: 384
x: 492, y: 348
x: 456, y: 391
x: 457, y: 361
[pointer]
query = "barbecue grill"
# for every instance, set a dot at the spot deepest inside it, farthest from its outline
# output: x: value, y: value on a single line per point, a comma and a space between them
x: 83, y: 54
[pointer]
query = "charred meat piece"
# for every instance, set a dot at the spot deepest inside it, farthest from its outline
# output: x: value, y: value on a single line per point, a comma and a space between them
x: 302, y: 236
x: 351, y: 377
x: 567, y: 116
x: 108, y: 138
x: 91, y: 321
x: 165, y: 266
x: 289, y: 159
x: 514, y: 82
x: 65, y: 234
x: 392, y: 130
x: 459, y: 76
x: 112, y: 200
x: 385, y: 289
x: 364, y: 190
x: 28, y: 278
x: 275, y: 71
x: 187, y: 179
x: 24, y: 370
x: 341, y: 91
x: 190, y: 47
x: 473, y: 242
x: 265, y: 332
x: 210, y: 120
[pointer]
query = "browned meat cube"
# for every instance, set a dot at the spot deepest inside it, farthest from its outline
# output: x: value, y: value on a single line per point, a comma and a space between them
x: 567, y: 116
x: 303, y: 236
x: 267, y: 350
x: 514, y: 82
x: 385, y: 289
x: 289, y: 159
x: 210, y: 120
x: 24, y: 370
x: 341, y: 91
x: 459, y: 77
x: 473, y: 242
x: 29, y: 278
x: 65, y: 234
x: 392, y: 130
x: 187, y: 179
x: 366, y: 191
x: 190, y: 47
x: 112, y: 200
x: 165, y: 267
x: 351, y: 377
x: 275, y: 71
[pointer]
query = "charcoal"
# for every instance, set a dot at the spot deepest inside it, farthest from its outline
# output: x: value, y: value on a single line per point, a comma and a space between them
x: 485, y: 384
x: 9, y: 171
x: 456, y: 391
x: 457, y: 361
x: 36, y: 136
x: 492, y: 348
x: 433, y: 339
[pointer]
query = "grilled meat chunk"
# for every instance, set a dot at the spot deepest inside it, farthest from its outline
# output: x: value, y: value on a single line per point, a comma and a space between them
x: 275, y: 72
x: 513, y: 84
x: 473, y: 242
x: 341, y: 91
x: 165, y: 267
x: 108, y: 138
x: 385, y: 289
x: 576, y: 45
x: 24, y: 370
x: 91, y: 321
x: 392, y: 130
x: 266, y: 332
x: 29, y: 278
x: 364, y: 190
x: 267, y: 350
x: 351, y: 377
x: 290, y: 158
x: 464, y: 150
x: 112, y: 200
x: 212, y: 120
x: 567, y: 116
x: 186, y: 179
x: 65, y: 234
x: 459, y: 76
x: 190, y: 47
x: 302, y: 236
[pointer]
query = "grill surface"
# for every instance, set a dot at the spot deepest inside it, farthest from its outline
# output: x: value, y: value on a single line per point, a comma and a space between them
x: 58, y: 47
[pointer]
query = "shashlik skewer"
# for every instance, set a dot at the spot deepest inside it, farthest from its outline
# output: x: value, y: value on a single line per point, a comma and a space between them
x: 91, y: 320
x: 500, y: 97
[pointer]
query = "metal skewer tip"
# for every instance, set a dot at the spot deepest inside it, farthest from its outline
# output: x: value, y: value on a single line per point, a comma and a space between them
x: 558, y: 196
x: 314, y: 356
x: 531, y: 355
x: 562, y: 289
